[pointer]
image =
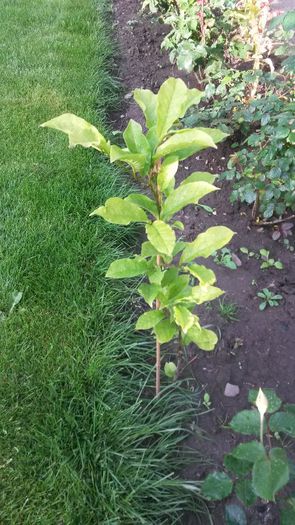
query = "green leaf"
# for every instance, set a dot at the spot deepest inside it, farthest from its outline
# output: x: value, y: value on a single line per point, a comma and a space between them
x: 161, y: 236
x: 283, y: 422
x: 147, y: 101
x: 287, y: 514
x: 247, y: 422
x: 216, y: 134
x: 207, y: 243
x: 244, y: 491
x: 144, y: 202
x: 118, y: 211
x: 205, y: 339
x: 147, y: 249
x: 249, y: 451
x: 289, y: 407
x: 170, y: 276
x: 274, y: 402
x: 184, y: 143
x: 184, y: 195
x: 137, y: 161
x: 236, y: 466
x: 135, y: 140
x: 79, y: 132
x: 170, y: 369
x: 149, y: 292
x: 193, y: 97
x: 125, y: 268
x: 205, y: 292
x: 234, y: 515
x: 149, y: 319
x: 171, y: 98
x: 216, y: 486
x: 183, y: 318
x: 165, y: 331
x: 203, y: 274
x: 199, y: 176
x: 270, y: 474
x: 289, y: 21
x: 155, y: 276
x: 178, y: 225
x: 166, y: 175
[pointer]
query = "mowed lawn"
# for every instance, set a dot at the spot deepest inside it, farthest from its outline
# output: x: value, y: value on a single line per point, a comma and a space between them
x: 77, y: 446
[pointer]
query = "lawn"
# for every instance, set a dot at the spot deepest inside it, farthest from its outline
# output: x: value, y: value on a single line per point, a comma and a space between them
x: 78, y: 446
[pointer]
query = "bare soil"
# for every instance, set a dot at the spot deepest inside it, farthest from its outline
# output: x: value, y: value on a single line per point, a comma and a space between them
x: 258, y: 349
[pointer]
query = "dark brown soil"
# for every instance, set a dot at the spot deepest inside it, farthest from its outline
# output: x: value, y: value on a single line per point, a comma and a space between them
x: 258, y: 348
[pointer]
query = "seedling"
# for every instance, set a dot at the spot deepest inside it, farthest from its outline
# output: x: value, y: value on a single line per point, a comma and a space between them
x: 288, y: 245
x: 255, y: 469
x: 207, y: 401
x: 247, y: 252
x: 174, y: 284
x: 269, y: 262
x: 225, y: 258
x: 268, y: 299
x: 228, y: 310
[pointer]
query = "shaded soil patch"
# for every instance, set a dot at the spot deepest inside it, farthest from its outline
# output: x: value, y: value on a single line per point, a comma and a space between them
x: 258, y: 348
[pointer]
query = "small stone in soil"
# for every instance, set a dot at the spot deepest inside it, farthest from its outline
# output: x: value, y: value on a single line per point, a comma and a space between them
x: 231, y: 390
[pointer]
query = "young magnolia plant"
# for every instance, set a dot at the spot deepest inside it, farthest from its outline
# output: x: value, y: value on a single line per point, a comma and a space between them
x: 168, y: 264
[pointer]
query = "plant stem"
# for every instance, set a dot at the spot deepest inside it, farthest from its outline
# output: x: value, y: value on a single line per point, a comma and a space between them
x: 158, y: 348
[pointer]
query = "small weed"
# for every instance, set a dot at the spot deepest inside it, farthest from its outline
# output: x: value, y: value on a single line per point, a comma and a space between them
x: 288, y: 245
x: 225, y: 257
x: 207, y: 401
x: 268, y: 299
x: 228, y: 310
x: 269, y: 262
x: 264, y: 255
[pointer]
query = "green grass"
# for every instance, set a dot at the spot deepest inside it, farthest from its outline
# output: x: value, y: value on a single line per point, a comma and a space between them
x: 79, y: 443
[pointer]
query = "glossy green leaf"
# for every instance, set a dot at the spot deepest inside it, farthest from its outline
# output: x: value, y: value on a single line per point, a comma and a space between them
x: 149, y: 292
x: 183, y: 196
x: 79, y: 132
x: 144, y: 202
x: 184, y: 143
x: 137, y: 161
x: 216, y: 486
x: 166, y: 175
x: 235, y: 515
x: 149, y: 319
x: 171, y: 98
x: 247, y: 422
x: 155, y: 276
x: 134, y: 138
x: 205, y: 292
x: 161, y: 236
x: 170, y: 276
x: 203, y: 274
x: 183, y: 318
x: 283, y: 422
x: 207, y: 243
x: 199, y: 176
x: 125, y: 268
x: 274, y: 402
x: 205, y: 339
x: 165, y: 331
x: 170, y: 369
x: 193, y: 97
x: 147, y: 101
x: 270, y: 474
x: 148, y: 250
x: 216, y: 134
x: 118, y: 211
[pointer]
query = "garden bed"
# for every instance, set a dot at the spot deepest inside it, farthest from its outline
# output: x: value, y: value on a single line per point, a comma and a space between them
x: 256, y: 349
